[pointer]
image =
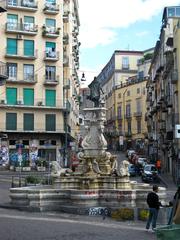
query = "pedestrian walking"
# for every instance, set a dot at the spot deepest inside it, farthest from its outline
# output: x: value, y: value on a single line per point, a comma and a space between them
x: 154, y: 204
x: 158, y: 165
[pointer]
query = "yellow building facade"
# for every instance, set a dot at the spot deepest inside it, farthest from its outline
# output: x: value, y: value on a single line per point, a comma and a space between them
x: 38, y: 105
x: 123, y: 81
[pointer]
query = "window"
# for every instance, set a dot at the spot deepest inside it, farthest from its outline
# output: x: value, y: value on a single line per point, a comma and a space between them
x: 50, y: 25
x: 119, y: 95
x: 28, y: 47
x: 11, y: 96
x: 128, y: 110
x: 12, y: 21
x: 12, y: 71
x: 129, y: 127
x: 28, y: 72
x: 140, y: 76
x: 28, y: 96
x: 128, y: 93
x: 50, y: 49
x: 11, y: 121
x: 28, y: 23
x: 50, y: 2
x: 138, y: 125
x: 138, y: 106
x: 28, y: 122
x: 50, y: 73
x: 50, y: 122
x: 144, y: 90
x: 138, y: 90
x: 51, y: 98
x: 171, y: 12
x: 119, y: 112
x: 12, y: 2
x: 11, y: 46
x: 125, y: 62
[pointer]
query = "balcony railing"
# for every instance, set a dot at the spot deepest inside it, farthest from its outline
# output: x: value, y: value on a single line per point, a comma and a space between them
x: 54, y: 80
x: 65, y: 60
x: 52, y: 32
x: 3, y: 73
x: 27, y: 5
x: 51, y: 56
x: 66, y: 84
x: 50, y: 8
x: 15, y: 53
x: 28, y: 79
x: 174, y: 76
x: 66, y: 38
x: 128, y: 115
x: 22, y: 28
x: 138, y: 114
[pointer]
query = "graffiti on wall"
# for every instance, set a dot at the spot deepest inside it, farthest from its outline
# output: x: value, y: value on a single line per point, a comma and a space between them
x: 4, y: 155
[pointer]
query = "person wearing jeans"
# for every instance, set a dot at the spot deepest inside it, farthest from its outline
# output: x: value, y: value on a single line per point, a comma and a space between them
x: 154, y: 204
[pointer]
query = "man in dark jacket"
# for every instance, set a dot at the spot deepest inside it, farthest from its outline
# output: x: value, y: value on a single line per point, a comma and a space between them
x: 154, y: 204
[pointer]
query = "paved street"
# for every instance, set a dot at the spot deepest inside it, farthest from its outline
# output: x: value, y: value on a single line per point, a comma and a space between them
x: 16, y: 225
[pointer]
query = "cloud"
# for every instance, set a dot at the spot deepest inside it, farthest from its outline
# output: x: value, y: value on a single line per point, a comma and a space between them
x: 101, y: 19
x: 143, y: 33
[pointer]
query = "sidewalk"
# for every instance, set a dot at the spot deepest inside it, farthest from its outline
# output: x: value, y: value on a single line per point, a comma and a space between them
x: 167, y: 180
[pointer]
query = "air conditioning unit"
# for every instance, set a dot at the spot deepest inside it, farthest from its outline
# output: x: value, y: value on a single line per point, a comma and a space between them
x: 19, y: 37
x: 20, y: 102
x: 3, y: 101
x: 40, y: 103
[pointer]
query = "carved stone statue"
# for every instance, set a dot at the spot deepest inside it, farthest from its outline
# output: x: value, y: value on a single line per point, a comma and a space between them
x: 123, y: 169
x: 95, y: 92
x: 57, y: 170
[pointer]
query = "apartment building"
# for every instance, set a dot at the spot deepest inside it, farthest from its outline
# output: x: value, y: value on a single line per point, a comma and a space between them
x: 163, y: 102
x: 123, y: 81
x: 38, y: 104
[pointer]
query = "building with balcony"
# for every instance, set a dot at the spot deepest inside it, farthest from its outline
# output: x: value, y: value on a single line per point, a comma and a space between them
x: 163, y: 101
x: 38, y: 104
x: 124, y: 83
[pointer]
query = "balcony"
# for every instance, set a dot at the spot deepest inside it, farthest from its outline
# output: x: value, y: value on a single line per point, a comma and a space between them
x: 22, y: 28
x: 30, y: 79
x: 66, y: 84
x: 65, y: 61
x: 66, y: 16
x: 174, y: 76
x: 51, y: 56
x: 50, y: 32
x: 20, y: 55
x: 137, y: 114
x: 24, y: 5
x: 52, y: 81
x: 67, y: 106
x: 3, y: 73
x: 51, y: 8
x: 128, y: 115
x: 66, y: 38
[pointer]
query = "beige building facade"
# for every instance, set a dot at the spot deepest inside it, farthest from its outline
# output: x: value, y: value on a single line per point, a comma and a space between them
x: 38, y: 104
x: 163, y: 101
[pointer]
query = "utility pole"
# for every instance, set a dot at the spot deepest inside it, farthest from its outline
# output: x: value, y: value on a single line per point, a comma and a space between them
x: 66, y: 139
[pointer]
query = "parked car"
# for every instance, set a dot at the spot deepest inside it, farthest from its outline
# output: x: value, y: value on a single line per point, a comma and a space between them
x: 132, y: 170
x: 142, y: 161
x: 150, y: 173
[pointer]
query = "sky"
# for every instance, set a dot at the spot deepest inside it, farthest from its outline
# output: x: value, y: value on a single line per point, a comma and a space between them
x: 106, y: 26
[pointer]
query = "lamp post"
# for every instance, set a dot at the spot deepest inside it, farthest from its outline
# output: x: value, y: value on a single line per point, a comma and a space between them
x: 124, y: 112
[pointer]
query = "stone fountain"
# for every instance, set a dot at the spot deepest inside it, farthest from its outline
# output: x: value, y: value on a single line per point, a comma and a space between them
x: 99, y: 181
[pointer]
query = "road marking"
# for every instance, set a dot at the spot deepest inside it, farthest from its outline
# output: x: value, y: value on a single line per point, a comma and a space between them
x: 46, y: 219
